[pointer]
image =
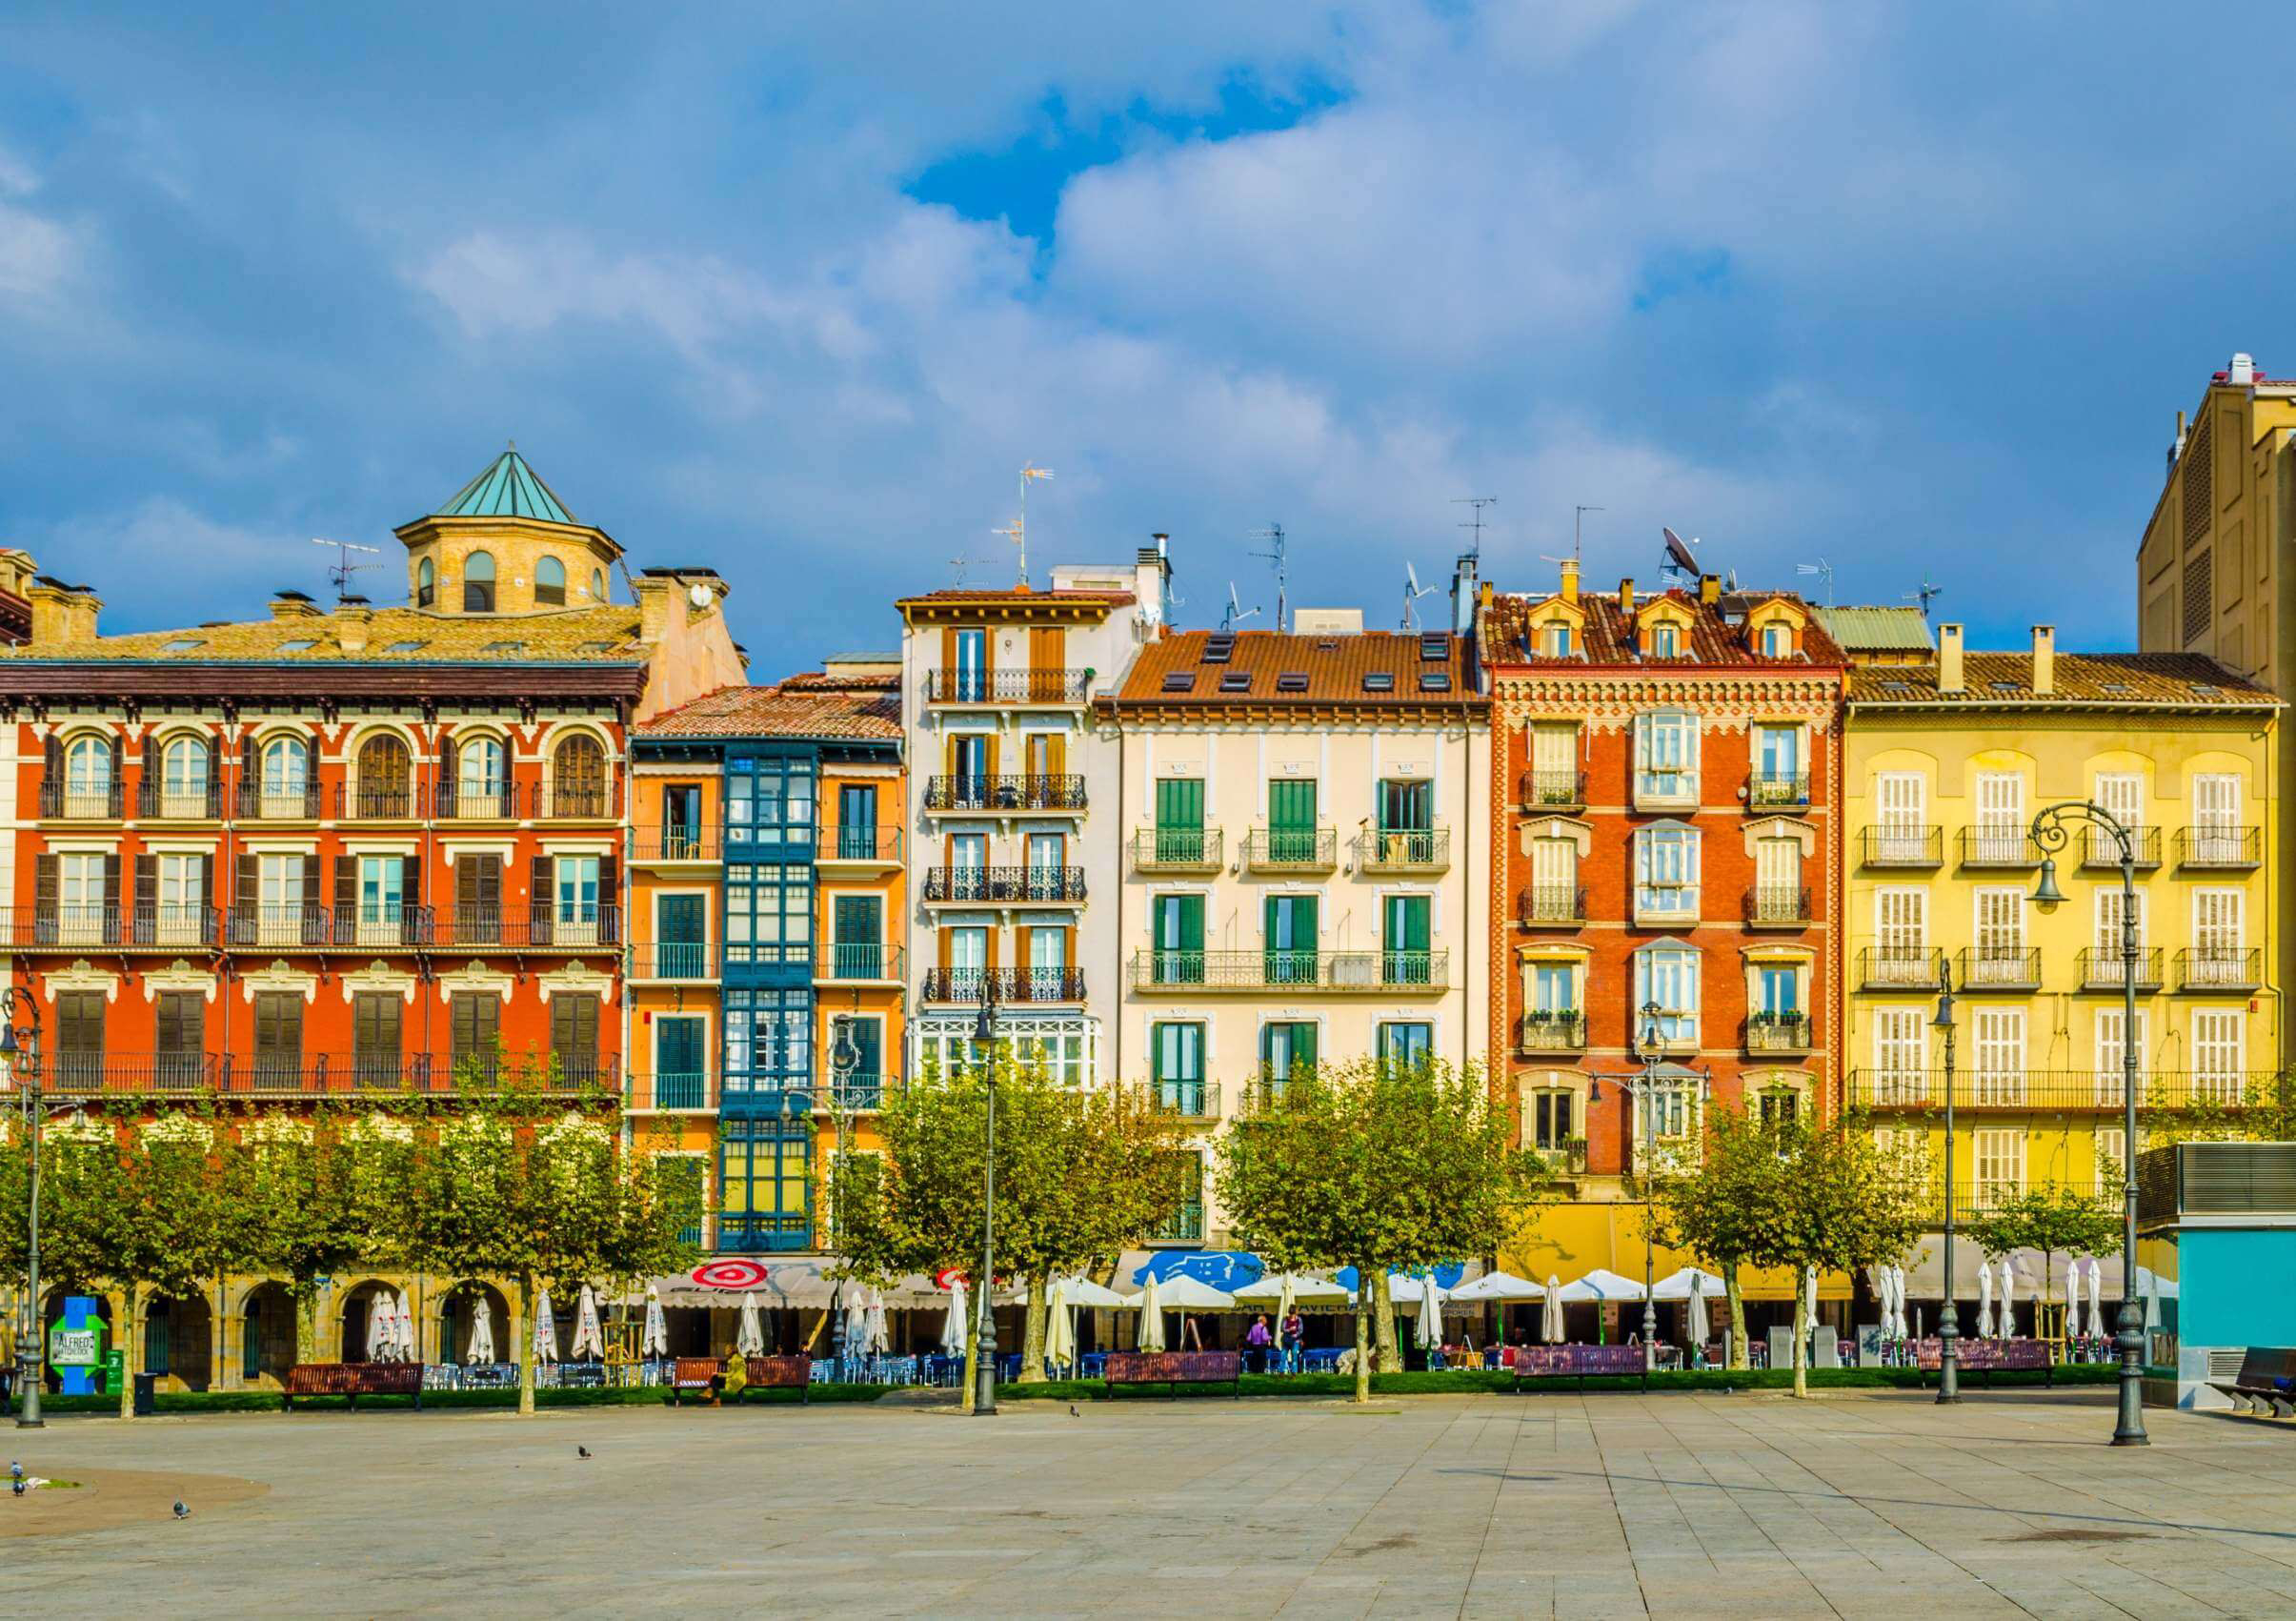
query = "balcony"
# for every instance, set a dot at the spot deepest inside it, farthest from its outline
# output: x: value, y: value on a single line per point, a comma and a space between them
x: 379, y: 802
x: 297, y: 1074
x: 1290, y: 850
x: 288, y: 926
x: 672, y: 959
x: 1779, y: 1033
x: 2101, y: 849
x: 1555, y: 791
x: 1424, y: 850
x: 1778, y: 791
x: 59, y: 802
x: 675, y: 844
x: 2102, y: 970
x: 1665, y: 790
x: 1557, y: 1030
x: 858, y: 963
x: 1999, y: 969
x: 1013, y: 793
x: 544, y: 801
x: 1548, y: 905
x: 1666, y: 906
x: 156, y: 801
x: 72, y: 927
x: 2220, y: 849
x: 1292, y: 972
x: 749, y: 1234
x: 1899, y: 967
x: 1006, y: 686
x: 1262, y: 1098
x: 283, y: 802
x: 1778, y: 907
x: 695, y: 1091
x: 1006, y: 986
x: 858, y: 844
x: 1004, y: 886
x: 1177, y: 849
x: 1907, y: 846
x: 2212, y: 969
x: 1184, y: 1226
x: 2058, y: 1090
x: 1184, y: 1100
x: 1998, y: 847
x: 481, y: 928
x: 856, y: 1094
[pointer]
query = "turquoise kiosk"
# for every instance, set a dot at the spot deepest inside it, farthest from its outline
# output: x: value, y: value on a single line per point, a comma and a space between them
x: 2216, y: 1243
x: 75, y: 1347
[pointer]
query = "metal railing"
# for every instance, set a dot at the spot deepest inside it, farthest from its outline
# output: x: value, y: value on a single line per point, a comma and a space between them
x: 1390, y: 849
x: 1291, y: 849
x: 2076, y: 1090
x: 258, y: 803
x: 676, y: 843
x: 678, y: 1089
x: 1560, y: 1031
x: 1778, y: 790
x: 1899, y: 967
x: 288, y: 925
x: 380, y: 803
x: 1999, y: 846
x: 1009, y: 984
x: 2101, y: 849
x: 1184, y: 1226
x: 1004, y: 883
x: 1006, y: 686
x: 2219, y: 968
x: 62, y: 804
x: 1664, y: 790
x: 510, y: 802
x: 1553, y: 790
x: 1778, y: 1032
x: 480, y: 926
x: 858, y: 842
x: 2210, y: 846
x: 1551, y: 904
x: 1008, y: 791
x: 764, y: 1235
x: 72, y: 925
x: 1190, y: 1100
x: 1403, y: 971
x: 155, y: 800
x: 1176, y: 849
x: 299, y: 1074
x: 855, y: 1093
x: 1778, y: 903
x: 2102, y: 969
x: 1999, y: 967
x: 1908, y: 846
x: 672, y: 959
x: 859, y: 961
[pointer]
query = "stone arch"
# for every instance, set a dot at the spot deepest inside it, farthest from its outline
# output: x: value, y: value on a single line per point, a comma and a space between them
x: 264, y: 1341
x: 178, y: 1341
x: 456, y: 1314
x: 356, y: 1312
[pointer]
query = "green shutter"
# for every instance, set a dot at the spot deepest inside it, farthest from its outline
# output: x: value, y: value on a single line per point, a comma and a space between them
x: 1290, y: 940
x: 1179, y: 819
x: 1408, y: 960
x: 1179, y: 938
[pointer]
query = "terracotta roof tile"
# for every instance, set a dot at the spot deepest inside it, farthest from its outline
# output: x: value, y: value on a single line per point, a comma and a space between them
x: 606, y: 635
x: 1334, y: 668
x: 799, y: 707
x: 2097, y: 680
x: 1609, y: 637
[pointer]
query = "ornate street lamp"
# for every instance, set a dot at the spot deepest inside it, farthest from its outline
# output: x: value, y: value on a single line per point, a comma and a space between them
x: 20, y: 1067
x: 2052, y: 830
x: 1641, y: 1091
x: 843, y: 1056
x: 1948, y: 1319
x: 984, y: 1388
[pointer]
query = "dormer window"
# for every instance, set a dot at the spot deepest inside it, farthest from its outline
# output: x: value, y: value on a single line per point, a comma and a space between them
x: 1665, y: 641
x: 1555, y: 641
x: 1777, y: 640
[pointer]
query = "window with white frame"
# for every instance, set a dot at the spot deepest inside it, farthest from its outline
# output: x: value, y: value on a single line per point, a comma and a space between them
x: 1668, y: 976
x: 1555, y: 640
x: 183, y: 777
x: 2000, y: 830
x: 2121, y: 793
x: 2108, y: 938
x: 2113, y: 1159
x: 2217, y: 930
x: 1901, y: 820
x: 1666, y: 755
x: 1551, y: 1113
x: 1900, y: 1054
x: 182, y: 900
x: 2112, y: 1050
x: 2000, y: 1166
x: 2219, y: 1054
x: 1665, y: 641
x: 1999, y: 1076
x: 1665, y: 871
x: 2216, y: 816
x: 1999, y: 958
x: 1902, y: 937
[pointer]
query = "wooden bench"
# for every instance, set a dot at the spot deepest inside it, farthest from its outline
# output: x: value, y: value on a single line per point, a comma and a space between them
x: 2267, y: 1381
x: 1575, y: 1362
x: 1174, y: 1369
x: 1989, y: 1356
x: 352, y: 1380
x: 707, y: 1374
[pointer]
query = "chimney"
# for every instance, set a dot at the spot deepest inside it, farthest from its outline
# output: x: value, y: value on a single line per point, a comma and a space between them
x: 1710, y: 589
x: 1152, y: 578
x: 62, y: 613
x: 354, y: 613
x: 1949, y: 658
x: 660, y: 607
x: 1570, y: 581
x: 2044, y: 660
x: 1626, y: 596
x: 294, y: 605
x: 2242, y: 372
x: 1464, y: 572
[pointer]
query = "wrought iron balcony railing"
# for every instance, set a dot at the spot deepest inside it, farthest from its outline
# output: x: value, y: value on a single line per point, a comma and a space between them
x: 70, y: 925
x: 61, y: 802
x: 286, y: 925
x: 2220, y: 847
x: 2208, y: 968
x: 1184, y: 1226
x: 2101, y: 849
x: 302, y: 1074
x: 1553, y: 790
x: 1291, y: 849
x: 1778, y: 1032
x: 277, y: 801
x: 1005, y: 792
x: 1005, y: 885
x: 1007, y: 686
x: 859, y: 961
x: 2102, y: 969
x: 1998, y: 847
x: 1541, y: 904
x: 1176, y: 849
x: 1999, y: 967
x: 1562, y: 1030
x: 1899, y: 967
x: 1190, y: 1100
x: 676, y: 841
x: 1405, y: 850
x: 157, y: 801
x: 1778, y: 790
x: 2069, y: 1090
x: 1906, y: 846
x: 481, y: 928
x: 1292, y: 971
x: 672, y: 1090
x: 1008, y: 985
x: 859, y: 842
x: 672, y: 959
x: 1777, y: 905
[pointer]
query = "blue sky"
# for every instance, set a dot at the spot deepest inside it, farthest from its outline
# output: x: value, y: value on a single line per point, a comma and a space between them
x: 1904, y: 287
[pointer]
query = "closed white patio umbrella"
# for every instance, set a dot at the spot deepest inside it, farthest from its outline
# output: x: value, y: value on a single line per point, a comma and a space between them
x: 1809, y: 1297
x: 654, y: 1339
x: 1429, y: 1330
x: 382, y: 1336
x: 2096, y: 1302
x: 481, y: 1348
x: 1984, y: 1300
x: 2008, y: 1298
x: 546, y: 1330
x: 589, y: 1335
x: 856, y: 1319
x: 879, y: 1337
x: 1150, y: 1303
x: 748, y: 1337
x: 1497, y: 1286
x: 952, y: 1329
x: 1060, y: 1329
x: 1550, y: 1317
x: 1699, y: 1325
x: 408, y: 1332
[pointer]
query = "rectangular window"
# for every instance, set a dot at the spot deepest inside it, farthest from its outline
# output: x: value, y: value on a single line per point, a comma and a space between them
x: 574, y: 1037
x: 1901, y: 807
x: 2000, y: 829
x: 1666, y: 758
x: 2111, y: 1050
x: 2219, y: 1054
x: 182, y: 900
x: 680, y: 1063
x: 1554, y: 987
x: 1999, y: 958
x: 2123, y: 794
x: 475, y: 1020
x: 768, y: 914
x: 860, y: 951
x: 1286, y: 1049
x: 80, y: 1038
x: 1552, y: 1116
x: 1407, y: 808
x: 1900, y: 1054
x: 1999, y: 1077
x: 2000, y: 1166
x: 2112, y: 1159
x: 1291, y: 939
x: 1554, y: 765
x: 972, y: 666
x: 1668, y: 976
x: 1666, y: 872
x: 2106, y: 938
x: 180, y: 1048
x: 382, y: 898
x: 1292, y: 821
x: 1179, y: 819
x: 682, y: 949
x: 280, y: 900
x: 374, y: 1038
x: 856, y: 837
x: 1409, y: 956
x: 1407, y: 1041
x: 279, y: 1039
x: 2217, y: 928
x: 1778, y: 773
x: 1778, y: 989
x: 768, y: 1040
x: 767, y: 801
x: 1178, y: 1050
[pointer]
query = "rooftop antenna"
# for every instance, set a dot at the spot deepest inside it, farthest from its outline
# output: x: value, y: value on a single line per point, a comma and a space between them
x: 1237, y: 612
x: 1477, y: 503
x: 1273, y: 534
x: 1826, y: 569
x: 1029, y: 472
x: 961, y: 564
x: 340, y: 573
x: 1413, y: 590
x: 1923, y: 596
x: 1577, y: 523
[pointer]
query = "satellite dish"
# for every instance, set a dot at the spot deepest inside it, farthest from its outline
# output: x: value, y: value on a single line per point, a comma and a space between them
x: 698, y: 595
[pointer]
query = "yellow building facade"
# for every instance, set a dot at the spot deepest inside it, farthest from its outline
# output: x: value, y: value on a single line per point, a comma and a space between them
x: 1948, y: 764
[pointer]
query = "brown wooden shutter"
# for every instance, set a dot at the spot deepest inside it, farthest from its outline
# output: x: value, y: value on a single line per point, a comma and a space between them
x: 147, y: 898
x: 44, y: 895
x: 948, y: 657
x: 55, y: 759
x: 207, y: 881
x: 111, y: 890
x: 247, y: 882
x: 119, y: 769
x: 215, y: 773
x: 346, y: 899
x: 538, y: 900
x: 450, y: 774
x: 313, y: 926
x: 610, y: 892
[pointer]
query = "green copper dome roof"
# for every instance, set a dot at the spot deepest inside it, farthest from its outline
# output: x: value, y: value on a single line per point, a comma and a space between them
x: 508, y: 489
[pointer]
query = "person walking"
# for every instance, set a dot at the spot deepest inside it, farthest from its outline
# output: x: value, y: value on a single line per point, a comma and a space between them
x: 1257, y: 1339
x: 1295, y: 1331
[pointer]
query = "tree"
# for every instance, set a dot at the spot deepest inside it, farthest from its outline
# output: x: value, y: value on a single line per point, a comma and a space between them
x: 1375, y: 1165
x: 318, y: 1203
x: 2053, y: 1219
x: 163, y: 1224
x: 1721, y: 1207
x: 1840, y: 1203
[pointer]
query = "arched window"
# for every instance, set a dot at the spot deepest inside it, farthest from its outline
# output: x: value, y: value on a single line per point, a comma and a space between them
x: 385, y: 785
x: 478, y: 583
x: 482, y: 776
x: 579, y: 777
x: 183, y: 777
x: 426, y: 583
x: 597, y: 585
x: 549, y: 583
x: 87, y: 766
x: 286, y: 776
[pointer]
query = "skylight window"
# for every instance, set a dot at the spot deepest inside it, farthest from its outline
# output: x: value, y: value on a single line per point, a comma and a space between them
x: 1435, y: 680
x: 303, y: 646
x: 2118, y: 686
x: 404, y: 647
x: 2207, y: 689
x: 2006, y: 686
x: 504, y: 647
x: 1327, y: 644
x: 1217, y: 648
x: 1899, y: 687
x: 1291, y: 681
x: 1435, y: 647
x: 595, y: 647
x: 1179, y: 681
x: 1236, y: 680
x: 1379, y: 680
x: 183, y: 644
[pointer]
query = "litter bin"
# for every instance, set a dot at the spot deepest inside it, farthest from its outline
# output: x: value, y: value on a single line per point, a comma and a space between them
x: 147, y: 1396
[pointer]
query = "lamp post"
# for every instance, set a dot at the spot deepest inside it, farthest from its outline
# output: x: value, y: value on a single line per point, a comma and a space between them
x: 843, y: 1056
x: 1948, y: 1320
x: 984, y: 1372
x: 2052, y: 830
x: 1642, y: 1090
x: 20, y: 1066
